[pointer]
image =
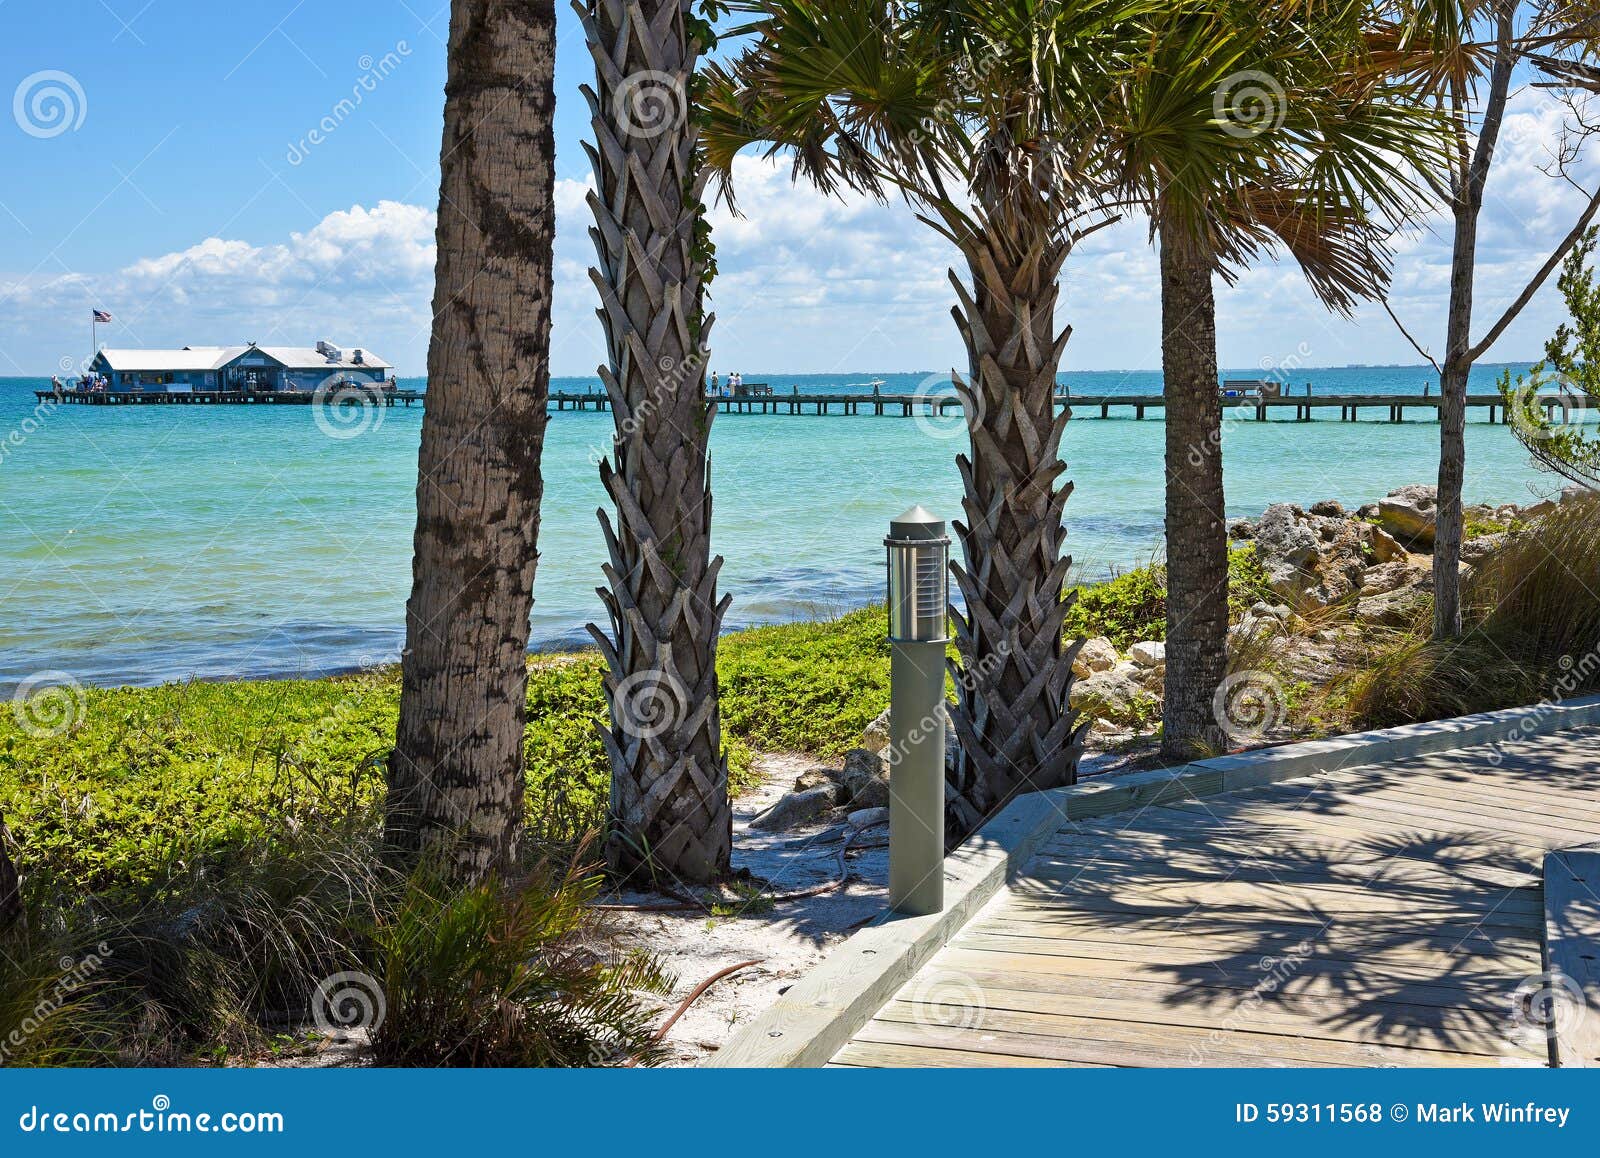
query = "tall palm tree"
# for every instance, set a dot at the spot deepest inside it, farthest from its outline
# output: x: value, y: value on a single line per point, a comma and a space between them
x: 456, y: 776
x: 1284, y: 134
x: 670, y: 809
x: 987, y: 119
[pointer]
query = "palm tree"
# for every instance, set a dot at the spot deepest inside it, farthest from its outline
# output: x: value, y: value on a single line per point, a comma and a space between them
x: 670, y: 809
x: 987, y: 119
x: 1283, y: 133
x: 456, y: 776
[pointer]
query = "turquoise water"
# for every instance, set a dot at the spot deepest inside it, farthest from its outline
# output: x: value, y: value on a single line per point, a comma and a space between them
x: 141, y: 544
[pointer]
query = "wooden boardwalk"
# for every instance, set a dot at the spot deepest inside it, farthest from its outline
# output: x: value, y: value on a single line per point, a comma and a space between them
x: 1383, y: 916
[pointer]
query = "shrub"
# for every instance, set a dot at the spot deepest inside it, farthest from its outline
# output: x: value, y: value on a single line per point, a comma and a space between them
x: 1538, y: 596
x: 1409, y: 680
x: 808, y: 687
x: 504, y: 975
x: 1132, y: 606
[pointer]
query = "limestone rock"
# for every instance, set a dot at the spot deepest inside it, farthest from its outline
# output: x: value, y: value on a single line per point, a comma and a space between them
x: 1479, y: 549
x: 1386, y: 577
x: 814, y: 778
x: 1148, y: 653
x: 864, y: 779
x: 1096, y: 654
x: 798, y: 808
x: 1385, y: 548
x: 1328, y: 508
x: 1398, y: 608
x: 1409, y: 512
x: 1118, y: 695
x: 876, y: 737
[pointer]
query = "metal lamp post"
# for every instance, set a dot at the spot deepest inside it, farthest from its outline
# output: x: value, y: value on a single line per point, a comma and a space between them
x: 919, y: 555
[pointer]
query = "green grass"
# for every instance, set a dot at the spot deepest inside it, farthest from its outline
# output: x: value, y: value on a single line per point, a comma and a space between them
x: 152, y: 781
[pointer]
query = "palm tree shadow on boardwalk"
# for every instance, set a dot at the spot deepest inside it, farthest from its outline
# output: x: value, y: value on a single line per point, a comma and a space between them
x: 1399, y: 907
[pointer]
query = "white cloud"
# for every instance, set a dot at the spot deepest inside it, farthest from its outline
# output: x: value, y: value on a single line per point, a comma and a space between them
x: 806, y: 282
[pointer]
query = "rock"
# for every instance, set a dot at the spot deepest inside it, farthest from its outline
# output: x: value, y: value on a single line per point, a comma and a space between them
x: 1282, y: 537
x: 1409, y: 513
x: 1241, y: 529
x: 798, y: 808
x: 1148, y: 653
x: 867, y: 817
x: 870, y: 794
x: 1386, y: 577
x: 1385, y: 548
x: 863, y: 777
x: 1328, y: 508
x: 876, y: 737
x: 1578, y: 493
x: 1398, y: 608
x: 1286, y: 547
x: 1538, y: 510
x: 1478, y: 549
x: 814, y: 778
x: 1118, y: 695
x: 1096, y: 654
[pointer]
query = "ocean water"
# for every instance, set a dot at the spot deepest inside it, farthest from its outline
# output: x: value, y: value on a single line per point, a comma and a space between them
x: 142, y: 544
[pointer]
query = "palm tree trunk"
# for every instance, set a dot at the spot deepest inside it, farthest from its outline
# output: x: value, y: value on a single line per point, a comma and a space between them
x: 1197, y: 537
x: 456, y: 778
x: 670, y: 810
x: 10, y: 882
x: 1017, y: 732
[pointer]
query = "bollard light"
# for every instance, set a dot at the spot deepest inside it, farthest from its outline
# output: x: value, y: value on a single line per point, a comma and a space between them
x: 919, y: 584
x: 919, y: 588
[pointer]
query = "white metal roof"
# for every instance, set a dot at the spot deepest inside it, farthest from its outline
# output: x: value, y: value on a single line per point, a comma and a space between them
x: 193, y: 358
x: 305, y: 358
x: 216, y: 357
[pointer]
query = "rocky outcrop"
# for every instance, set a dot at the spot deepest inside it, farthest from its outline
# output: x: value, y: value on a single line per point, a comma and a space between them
x: 1318, y: 558
x: 1410, y: 513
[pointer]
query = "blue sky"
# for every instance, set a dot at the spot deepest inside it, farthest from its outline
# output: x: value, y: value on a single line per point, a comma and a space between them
x: 174, y: 184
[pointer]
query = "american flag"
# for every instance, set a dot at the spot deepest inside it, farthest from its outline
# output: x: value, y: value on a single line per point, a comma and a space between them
x: 101, y: 316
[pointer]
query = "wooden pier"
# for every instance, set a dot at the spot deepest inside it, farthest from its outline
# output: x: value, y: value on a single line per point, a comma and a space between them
x: 1389, y: 407
x: 343, y: 394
